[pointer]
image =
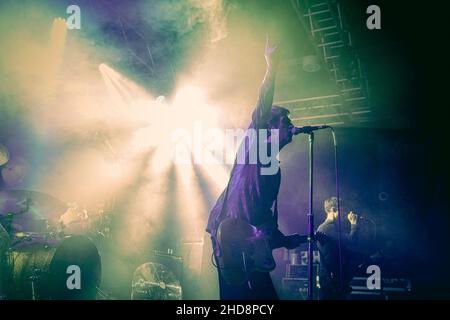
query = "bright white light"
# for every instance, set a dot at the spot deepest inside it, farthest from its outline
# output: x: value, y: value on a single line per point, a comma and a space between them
x: 191, y: 106
x: 160, y: 99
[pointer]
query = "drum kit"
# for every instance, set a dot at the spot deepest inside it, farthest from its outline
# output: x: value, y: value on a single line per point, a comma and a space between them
x: 40, y: 237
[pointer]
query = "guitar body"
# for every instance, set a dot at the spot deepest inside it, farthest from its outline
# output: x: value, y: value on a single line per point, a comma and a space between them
x: 243, y: 249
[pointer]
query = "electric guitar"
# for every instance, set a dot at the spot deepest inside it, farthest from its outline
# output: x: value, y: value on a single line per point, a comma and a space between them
x: 243, y: 248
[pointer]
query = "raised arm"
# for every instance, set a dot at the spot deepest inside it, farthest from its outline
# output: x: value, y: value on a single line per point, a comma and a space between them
x: 266, y: 91
x: 352, y: 237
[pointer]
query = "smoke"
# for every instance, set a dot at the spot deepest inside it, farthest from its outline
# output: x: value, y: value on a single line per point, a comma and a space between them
x: 82, y: 113
x: 51, y: 85
x: 183, y: 17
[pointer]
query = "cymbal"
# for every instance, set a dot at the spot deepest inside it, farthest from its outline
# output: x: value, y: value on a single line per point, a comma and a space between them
x: 154, y: 281
x: 36, y: 204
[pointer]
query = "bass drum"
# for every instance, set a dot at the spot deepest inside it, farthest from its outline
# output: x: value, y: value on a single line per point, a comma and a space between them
x: 39, y: 268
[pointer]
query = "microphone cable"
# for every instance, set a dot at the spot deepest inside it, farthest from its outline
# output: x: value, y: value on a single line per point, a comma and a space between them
x: 341, y: 282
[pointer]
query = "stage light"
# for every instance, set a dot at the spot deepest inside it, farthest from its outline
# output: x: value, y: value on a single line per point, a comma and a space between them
x: 124, y: 92
x: 58, y: 34
x: 160, y: 99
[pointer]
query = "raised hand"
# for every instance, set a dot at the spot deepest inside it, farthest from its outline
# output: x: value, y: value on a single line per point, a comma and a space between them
x: 271, y: 53
x: 353, y: 218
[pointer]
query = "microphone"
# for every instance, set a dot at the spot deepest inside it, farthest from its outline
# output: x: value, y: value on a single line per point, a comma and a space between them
x: 307, y: 129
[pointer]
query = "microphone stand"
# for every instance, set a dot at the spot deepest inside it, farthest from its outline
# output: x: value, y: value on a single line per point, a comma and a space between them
x: 310, y: 218
x: 310, y: 131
